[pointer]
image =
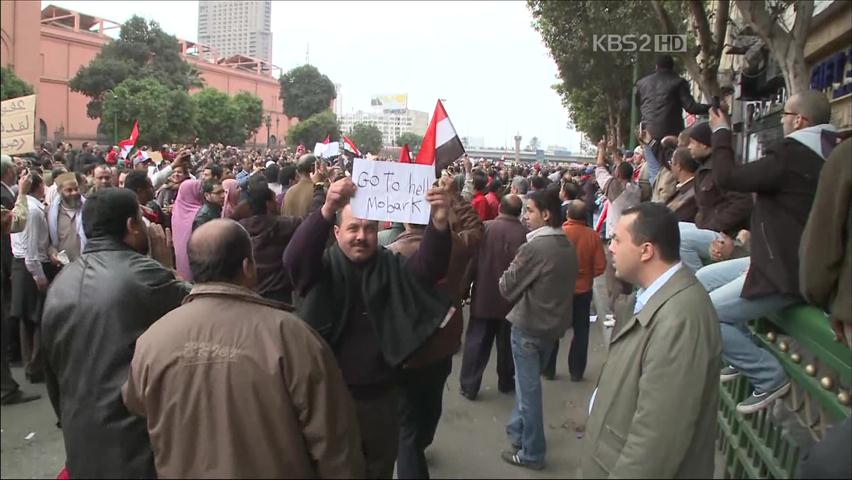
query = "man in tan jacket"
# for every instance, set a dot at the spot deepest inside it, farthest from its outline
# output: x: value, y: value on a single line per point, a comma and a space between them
x: 653, y: 414
x: 297, y: 200
x: 235, y: 386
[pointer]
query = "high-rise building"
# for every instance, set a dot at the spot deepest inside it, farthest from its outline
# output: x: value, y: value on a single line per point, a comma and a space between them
x: 391, y: 123
x: 236, y: 27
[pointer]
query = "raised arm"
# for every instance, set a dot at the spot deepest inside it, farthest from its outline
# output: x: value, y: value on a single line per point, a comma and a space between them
x: 431, y: 261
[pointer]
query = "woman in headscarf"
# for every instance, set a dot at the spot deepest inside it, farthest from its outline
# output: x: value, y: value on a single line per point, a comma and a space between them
x: 189, y: 200
x: 232, y: 196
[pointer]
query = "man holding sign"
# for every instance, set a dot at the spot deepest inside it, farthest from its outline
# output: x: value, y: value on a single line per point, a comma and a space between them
x: 374, y: 308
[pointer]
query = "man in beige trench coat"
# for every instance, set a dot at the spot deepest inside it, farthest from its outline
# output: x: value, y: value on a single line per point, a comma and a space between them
x: 653, y: 414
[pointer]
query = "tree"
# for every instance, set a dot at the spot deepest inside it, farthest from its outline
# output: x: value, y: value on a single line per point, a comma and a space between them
x: 11, y: 86
x: 702, y: 60
x: 165, y: 114
x: 229, y: 120
x: 601, y: 79
x: 412, y: 139
x: 314, y: 129
x: 534, y: 144
x: 306, y: 92
x: 142, y: 50
x: 248, y: 113
x: 787, y: 46
x: 367, y: 137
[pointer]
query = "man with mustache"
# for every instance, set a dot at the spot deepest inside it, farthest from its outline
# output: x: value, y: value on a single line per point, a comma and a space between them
x: 65, y: 221
x: 374, y: 308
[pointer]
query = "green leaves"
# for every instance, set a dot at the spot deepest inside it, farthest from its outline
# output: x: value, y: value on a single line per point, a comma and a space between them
x: 305, y: 92
x: 412, y: 139
x: 164, y: 114
x: 314, y: 129
x: 11, y: 86
x: 142, y: 50
x: 367, y: 137
x: 230, y: 120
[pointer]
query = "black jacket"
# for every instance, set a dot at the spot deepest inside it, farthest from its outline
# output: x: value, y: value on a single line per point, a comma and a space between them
x: 270, y: 235
x: 8, y: 201
x: 661, y: 98
x: 785, y: 182
x: 719, y: 210
x: 95, y: 310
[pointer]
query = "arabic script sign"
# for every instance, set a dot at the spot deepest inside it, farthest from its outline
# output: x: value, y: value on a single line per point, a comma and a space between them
x: 18, y: 125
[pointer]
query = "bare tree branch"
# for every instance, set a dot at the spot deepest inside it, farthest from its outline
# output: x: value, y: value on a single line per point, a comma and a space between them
x: 705, y: 40
x: 720, y: 27
x: 804, y: 15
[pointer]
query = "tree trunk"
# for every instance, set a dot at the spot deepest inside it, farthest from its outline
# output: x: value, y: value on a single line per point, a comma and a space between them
x: 788, y: 49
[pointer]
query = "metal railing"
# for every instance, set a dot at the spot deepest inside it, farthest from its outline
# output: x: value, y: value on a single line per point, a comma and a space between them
x: 769, y: 444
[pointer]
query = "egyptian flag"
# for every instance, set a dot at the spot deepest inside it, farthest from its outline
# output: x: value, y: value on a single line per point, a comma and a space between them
x: 405, y: 155
x: 125, y: 146
x: 350, y: 147
x: 327, y: 139
x: 441, y: 144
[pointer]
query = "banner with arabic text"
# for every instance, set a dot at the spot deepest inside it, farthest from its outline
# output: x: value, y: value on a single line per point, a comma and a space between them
x: 18, y: 125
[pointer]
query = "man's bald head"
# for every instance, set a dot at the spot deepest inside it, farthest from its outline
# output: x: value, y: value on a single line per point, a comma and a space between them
x: 812, y: 105
x: 577, y: 210
x: 218, y: 251
x: 511, y: 205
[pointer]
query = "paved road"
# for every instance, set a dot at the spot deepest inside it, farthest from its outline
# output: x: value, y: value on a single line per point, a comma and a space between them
x: 467, y: 445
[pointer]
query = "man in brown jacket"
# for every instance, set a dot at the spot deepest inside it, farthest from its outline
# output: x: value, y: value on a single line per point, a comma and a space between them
x: 424, y: 375
x: 297, y: 200
x: 500, y: 242
x: 234, y: 385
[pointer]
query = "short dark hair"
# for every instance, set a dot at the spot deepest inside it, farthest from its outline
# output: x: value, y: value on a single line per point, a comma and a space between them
x: 37, y: 181
x: 215, y: 170
x: 258, y: 196
x: 684, y: 160
x: 57, y: 172
x: 548, y: 200
x: 206, y: 187
x: 271, y: 173
x: 480, y: 181
x: 496, y: 185
x: 511, y: 205
x: 286, y: 175
x: 571, y: 190
x: 665, y: 62
x: 656, y: 224
x: 539, y: 183
x: 625, y: 171
x: 106, y: 211
x: 137, y: 180
x: 219, y: 258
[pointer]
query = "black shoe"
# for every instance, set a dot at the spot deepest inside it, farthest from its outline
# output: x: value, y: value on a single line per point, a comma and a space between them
x: 513, y: 458
x: 548, y: 376
x: 506, y: 389
x: 469, y: 396
x: 35, y: 378
x: 19, y: 396
x: 576, y: 378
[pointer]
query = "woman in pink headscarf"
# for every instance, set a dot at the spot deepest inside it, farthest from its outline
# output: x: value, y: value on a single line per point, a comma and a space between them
x: 187, y: 204
x: 232, y: 196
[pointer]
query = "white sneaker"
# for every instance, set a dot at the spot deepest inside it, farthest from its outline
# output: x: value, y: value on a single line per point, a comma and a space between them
x: 610, y: 321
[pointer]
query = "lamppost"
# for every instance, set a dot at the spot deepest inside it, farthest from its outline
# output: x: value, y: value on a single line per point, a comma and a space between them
x: 277, y: 135
x: 268, y: 127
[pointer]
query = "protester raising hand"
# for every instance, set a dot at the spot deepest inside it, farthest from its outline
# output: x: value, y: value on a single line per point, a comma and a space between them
x: 440, y: 202
x: 337, y: 197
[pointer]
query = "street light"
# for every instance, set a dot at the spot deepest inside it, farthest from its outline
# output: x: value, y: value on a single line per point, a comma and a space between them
x: 268, y: 126
x: 277, y: 135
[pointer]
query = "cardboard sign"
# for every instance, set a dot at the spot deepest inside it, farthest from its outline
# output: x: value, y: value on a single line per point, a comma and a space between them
x: 393, y: 192
x: 18, y: 125
x: 156, y: 157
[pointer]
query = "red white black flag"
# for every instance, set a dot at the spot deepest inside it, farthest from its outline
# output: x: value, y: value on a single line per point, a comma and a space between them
x: 441, y: 144
x: 350, y: 147
x: 405, y: 155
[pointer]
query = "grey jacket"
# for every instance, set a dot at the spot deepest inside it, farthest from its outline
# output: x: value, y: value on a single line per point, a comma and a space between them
x: 654, y: 414
x: 540, y: 282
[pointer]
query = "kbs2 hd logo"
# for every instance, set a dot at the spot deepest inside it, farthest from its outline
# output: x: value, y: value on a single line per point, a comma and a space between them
x: 663, y: 43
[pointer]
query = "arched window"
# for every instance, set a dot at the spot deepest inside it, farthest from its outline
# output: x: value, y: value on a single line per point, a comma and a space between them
x: 42, y: 130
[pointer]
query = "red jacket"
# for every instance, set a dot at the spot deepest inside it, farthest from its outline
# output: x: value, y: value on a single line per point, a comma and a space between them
x: 483, y: 208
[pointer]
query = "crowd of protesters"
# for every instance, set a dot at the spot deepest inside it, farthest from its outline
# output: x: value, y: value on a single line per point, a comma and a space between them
x: 222, y: 312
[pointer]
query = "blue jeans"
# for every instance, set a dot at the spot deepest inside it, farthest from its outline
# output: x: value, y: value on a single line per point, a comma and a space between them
x: 694, y: 245
x: 526, y: 426
x: 724, y: 281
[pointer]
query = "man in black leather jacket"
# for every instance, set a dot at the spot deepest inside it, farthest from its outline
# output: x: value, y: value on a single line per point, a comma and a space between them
x: 95, y: 310
x: 662, y: 96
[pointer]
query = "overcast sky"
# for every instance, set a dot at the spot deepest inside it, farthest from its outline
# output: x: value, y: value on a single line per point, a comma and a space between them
x: 484, y: 58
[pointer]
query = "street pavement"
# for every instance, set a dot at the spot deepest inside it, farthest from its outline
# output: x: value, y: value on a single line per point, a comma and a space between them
x: 468, y: 442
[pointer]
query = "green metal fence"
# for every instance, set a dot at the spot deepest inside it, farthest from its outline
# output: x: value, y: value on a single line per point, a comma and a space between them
x: 768, y: 444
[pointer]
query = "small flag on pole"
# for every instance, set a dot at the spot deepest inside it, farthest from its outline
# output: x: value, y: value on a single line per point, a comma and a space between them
x: 125, y: 146
x: 405, y: 155
x: 350, y: 147
x: 441, y: 144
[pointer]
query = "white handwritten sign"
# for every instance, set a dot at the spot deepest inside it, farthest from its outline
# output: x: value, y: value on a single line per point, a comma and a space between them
x: 390, y: 191
x: 17, y: 125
